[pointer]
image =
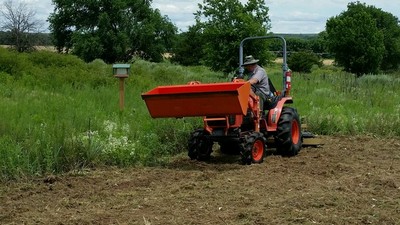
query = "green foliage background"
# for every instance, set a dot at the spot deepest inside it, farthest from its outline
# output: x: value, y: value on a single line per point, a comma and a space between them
x: 111, y: 30
x: 220, y: 27
x: 58, y: 113
x: 364, y: 39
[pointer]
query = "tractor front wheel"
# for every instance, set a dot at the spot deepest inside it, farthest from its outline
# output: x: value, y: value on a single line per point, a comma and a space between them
x: 288, y: 137
x: 253, y: 149
x: 199, y: 147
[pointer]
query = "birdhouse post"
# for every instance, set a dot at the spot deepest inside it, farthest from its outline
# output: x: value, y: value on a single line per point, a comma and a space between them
x: 121, y: 71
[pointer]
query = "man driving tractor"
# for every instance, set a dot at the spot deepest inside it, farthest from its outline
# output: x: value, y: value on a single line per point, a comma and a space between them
x: 258, y: 78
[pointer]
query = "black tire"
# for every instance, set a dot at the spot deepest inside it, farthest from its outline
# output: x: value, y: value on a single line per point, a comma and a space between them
x: 253, y: 149
x: 199, y: 147
x: 288, y: 138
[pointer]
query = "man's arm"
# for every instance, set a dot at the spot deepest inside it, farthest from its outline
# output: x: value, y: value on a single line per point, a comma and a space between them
x: 253, y: 81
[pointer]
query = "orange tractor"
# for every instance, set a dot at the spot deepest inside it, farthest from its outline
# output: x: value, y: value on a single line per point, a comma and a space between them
x: 231, y: 115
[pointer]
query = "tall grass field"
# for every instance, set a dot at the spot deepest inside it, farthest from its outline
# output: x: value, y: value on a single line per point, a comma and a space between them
x: 59, y: 114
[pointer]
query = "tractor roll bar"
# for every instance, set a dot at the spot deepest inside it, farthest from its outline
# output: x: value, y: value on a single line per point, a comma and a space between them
x: 285, y: 67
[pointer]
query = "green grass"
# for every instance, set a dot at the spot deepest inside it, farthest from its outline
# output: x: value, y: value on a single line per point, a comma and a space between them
x: 335, y: 102
x: 58, y: 113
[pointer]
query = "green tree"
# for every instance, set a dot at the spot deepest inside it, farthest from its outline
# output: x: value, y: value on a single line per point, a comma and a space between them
x: 222, y: 25
x: 319, y: 45
x: 364, y: 39
x: 389, y: 25
x: 113, y: 30
x: 188, y: 49
x: 297, y: 44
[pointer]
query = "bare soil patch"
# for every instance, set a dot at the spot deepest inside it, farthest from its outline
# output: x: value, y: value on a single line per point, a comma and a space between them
x: 350, y: 180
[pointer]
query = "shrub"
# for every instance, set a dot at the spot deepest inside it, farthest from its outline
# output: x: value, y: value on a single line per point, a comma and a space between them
x: 14, y: 63
x: 303, y: 61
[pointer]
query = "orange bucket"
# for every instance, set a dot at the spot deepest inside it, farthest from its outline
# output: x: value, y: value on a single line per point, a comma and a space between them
x: 192, y: 100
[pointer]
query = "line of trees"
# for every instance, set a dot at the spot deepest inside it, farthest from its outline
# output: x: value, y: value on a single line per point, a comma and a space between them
x: 36, y: 39
x: 363, y: 39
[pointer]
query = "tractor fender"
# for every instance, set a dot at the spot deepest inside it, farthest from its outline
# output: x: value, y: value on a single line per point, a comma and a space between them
x: 275, y: 113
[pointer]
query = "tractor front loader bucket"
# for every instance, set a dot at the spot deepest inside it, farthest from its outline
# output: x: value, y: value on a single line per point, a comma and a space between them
x: 196, y: 100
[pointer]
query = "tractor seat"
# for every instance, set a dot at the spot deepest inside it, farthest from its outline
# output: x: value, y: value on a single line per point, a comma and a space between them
x: 271, y: 102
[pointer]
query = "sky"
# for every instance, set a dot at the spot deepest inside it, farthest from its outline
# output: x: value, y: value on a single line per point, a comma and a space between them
x: 287, y: 16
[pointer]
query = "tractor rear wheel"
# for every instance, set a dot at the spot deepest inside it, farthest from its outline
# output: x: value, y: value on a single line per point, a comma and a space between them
x: 253, y: 149
x: 199, y: 147
x: 288, y: 138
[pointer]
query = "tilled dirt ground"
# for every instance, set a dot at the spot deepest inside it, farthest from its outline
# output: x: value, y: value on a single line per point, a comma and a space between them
x: 349, y: 180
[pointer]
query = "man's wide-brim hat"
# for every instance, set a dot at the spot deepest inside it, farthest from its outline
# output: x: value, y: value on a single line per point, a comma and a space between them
x: 250, y: 60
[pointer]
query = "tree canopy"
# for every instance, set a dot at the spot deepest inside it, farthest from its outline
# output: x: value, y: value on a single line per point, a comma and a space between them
x: 364, y: 39
x: 220, y: 26
x: 112, y: 30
